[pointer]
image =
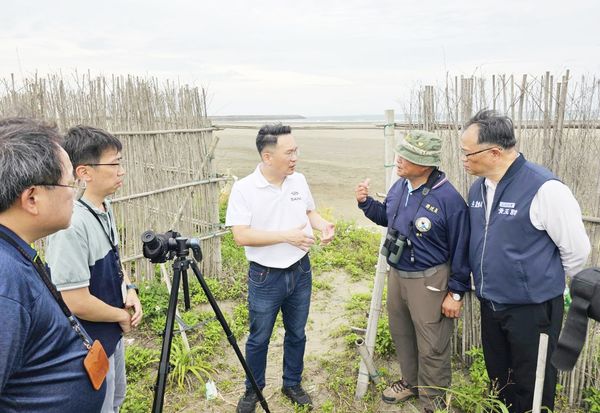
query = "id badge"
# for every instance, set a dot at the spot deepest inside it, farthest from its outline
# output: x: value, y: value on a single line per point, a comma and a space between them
x: 96, y: 364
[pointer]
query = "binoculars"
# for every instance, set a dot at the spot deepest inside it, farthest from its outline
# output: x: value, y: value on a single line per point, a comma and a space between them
x: 393, y: 245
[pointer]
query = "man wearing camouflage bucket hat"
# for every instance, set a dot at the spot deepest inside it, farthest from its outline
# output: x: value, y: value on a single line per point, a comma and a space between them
x: 427, y: 249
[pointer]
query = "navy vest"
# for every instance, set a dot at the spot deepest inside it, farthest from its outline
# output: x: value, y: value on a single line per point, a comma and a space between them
x: 105, y: 284
x: 512, y: 261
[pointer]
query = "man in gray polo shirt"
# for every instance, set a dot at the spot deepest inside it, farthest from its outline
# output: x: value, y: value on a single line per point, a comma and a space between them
x: 84, y: 258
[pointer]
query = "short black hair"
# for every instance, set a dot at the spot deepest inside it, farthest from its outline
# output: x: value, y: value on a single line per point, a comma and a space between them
x: 493, y: 128
x: 268, y: 135
x: 29, y: 155
x: 85, y: 144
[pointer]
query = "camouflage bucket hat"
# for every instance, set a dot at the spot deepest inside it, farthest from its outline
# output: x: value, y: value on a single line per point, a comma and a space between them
x: 421, y: 148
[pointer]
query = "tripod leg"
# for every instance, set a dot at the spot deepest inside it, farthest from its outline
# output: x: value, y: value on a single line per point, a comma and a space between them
x: 186, y: 290
x: 163, y: 367
x: 230, y: 336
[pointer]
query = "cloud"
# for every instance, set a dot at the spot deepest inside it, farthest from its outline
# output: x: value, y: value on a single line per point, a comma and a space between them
x: 310, y: 57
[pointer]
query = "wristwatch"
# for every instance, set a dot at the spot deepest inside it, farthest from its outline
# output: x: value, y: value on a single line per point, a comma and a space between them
x: 133, y: 287
x: 457, y: 296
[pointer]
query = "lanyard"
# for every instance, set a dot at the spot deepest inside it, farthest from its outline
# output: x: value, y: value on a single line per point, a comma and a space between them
x: 108, y: 237
x: 40, y: 268
x: 431, y: 180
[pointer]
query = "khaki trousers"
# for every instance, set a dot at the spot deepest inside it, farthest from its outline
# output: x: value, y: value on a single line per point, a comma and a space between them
x: 420, y: 331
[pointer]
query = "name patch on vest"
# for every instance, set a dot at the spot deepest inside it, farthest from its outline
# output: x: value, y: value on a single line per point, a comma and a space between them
x: 476, y: 204
x: 432, y: 208
x: 507, y: 211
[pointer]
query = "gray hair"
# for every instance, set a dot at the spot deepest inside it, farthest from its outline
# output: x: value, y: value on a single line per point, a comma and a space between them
x: 29, y: 155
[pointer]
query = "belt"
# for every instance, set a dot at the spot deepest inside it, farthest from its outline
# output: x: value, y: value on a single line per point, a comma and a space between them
x: 421, y: 274
x: 292, y: 267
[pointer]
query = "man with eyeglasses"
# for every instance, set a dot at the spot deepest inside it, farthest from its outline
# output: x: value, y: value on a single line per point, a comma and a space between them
x: 85, y: 257
x: 527, y: 233
x: 41, y: 354
x: 272, y: 213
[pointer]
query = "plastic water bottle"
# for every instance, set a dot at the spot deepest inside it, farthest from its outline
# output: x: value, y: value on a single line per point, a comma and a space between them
x: 211, y: 390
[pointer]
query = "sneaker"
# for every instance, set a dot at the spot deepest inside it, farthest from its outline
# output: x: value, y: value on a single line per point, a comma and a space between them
x: 399, y: 391
x: 297, y: 395
x: 247, y: 403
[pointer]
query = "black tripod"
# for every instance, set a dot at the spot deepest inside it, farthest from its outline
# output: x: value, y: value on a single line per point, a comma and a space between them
x: 180, y: 267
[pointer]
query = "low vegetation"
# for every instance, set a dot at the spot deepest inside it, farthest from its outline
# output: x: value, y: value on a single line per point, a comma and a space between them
x: 354, y: 252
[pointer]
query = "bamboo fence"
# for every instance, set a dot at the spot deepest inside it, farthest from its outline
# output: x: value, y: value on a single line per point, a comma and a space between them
x: 557, y: 124
x: 168, y: 150
x: 172, y: 183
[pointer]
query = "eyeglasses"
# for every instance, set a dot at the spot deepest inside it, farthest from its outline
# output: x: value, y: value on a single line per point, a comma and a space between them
x: 292, y: 152
x: 466, y: 155
x: 117, y: 164
x: 78, y: 186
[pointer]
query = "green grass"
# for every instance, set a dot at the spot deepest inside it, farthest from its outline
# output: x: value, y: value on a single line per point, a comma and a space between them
x: 354, y: 251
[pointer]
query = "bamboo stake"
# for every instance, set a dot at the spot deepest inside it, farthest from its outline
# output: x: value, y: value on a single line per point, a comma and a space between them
x: 540, y: 373
x: 382, y: 269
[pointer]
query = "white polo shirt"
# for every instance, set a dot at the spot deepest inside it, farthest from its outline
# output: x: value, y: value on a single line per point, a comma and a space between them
x: 261, y: 205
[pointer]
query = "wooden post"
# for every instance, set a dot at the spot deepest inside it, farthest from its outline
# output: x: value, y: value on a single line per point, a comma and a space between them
x: 494, y: 92
x: 521, y: 102
x: 539, y: 373
x: 382, y: 267
x: 389, y: 134
x: 428, y: 108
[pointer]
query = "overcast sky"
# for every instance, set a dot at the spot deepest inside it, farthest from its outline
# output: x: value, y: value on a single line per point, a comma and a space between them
x: 304, y: 57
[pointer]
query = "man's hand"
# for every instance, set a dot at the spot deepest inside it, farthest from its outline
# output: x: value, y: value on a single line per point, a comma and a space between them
x: 133, y: 302
x: 450, y: 307
x: 125, y: 322
x: 327, y: 233
x: 298, y: 238
x: 362, y: 191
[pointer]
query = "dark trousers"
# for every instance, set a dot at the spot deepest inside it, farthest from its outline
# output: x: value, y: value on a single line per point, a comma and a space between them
x: 510, y: 347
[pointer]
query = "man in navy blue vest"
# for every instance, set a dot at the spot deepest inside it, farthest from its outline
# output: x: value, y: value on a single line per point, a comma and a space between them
x: 526, y: 235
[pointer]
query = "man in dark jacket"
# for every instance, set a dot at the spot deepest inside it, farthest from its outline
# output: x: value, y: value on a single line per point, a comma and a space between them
x: 426, y: 248
x: 526, y: 234
x: 41, y: 354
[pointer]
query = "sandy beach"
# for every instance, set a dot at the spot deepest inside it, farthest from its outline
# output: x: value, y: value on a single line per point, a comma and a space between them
x: 333, y: 161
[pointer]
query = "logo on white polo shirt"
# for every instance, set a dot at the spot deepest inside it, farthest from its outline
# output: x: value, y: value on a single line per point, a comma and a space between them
x: 295, y: 196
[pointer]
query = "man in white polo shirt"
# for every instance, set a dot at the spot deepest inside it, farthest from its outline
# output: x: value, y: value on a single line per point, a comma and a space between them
x: 272, y: 214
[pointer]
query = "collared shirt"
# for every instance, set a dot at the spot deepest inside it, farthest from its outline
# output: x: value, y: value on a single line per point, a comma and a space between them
x: 436, y: 224
x: 257, y: 203
x: 41, y: 357
x: 72, y: 253
x: 555, y: 210
x: 82, y: 256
